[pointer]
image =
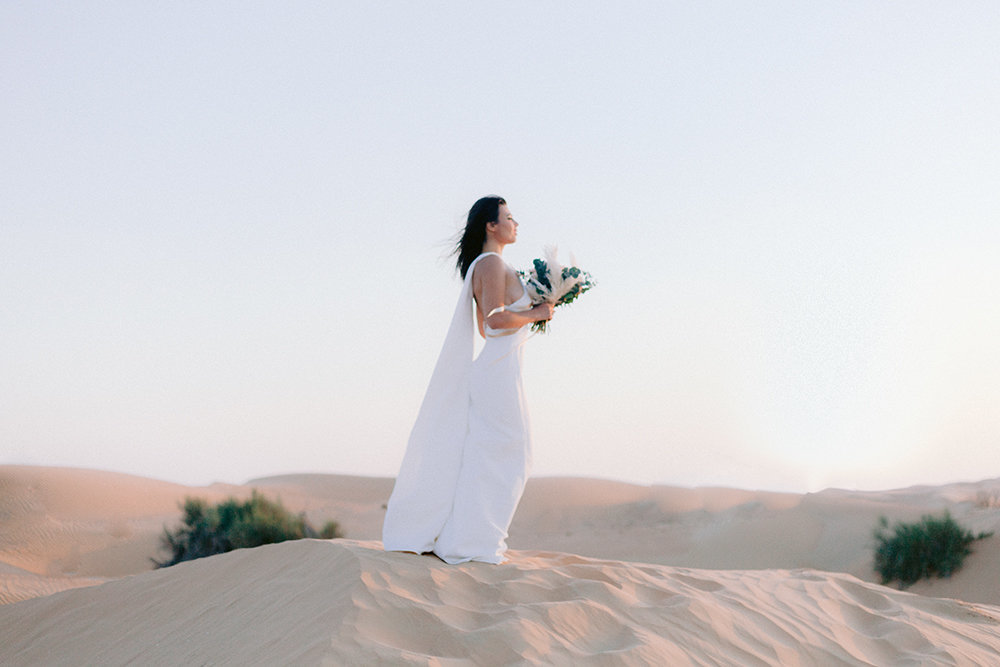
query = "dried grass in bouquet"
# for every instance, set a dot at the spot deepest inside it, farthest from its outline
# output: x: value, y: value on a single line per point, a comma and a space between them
x: 548, y: 281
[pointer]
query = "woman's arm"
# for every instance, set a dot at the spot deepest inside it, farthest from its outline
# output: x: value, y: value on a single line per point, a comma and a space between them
x: 489, y: 284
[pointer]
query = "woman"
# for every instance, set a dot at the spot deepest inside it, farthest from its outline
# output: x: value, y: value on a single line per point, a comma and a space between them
x: 470, y: 449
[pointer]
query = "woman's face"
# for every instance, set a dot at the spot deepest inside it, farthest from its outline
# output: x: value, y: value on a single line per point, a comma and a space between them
x: 505, y: 229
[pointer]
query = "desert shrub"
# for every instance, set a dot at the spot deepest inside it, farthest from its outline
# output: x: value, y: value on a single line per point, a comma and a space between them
x: 988, y: 499
x: 330, y: 530
x: 914, y: 551
x: 234, y: 524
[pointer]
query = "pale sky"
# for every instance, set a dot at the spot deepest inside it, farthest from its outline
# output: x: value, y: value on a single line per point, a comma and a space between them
x: 224, y: 229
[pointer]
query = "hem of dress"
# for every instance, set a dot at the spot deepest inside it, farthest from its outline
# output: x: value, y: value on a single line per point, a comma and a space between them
x: 407, y: 549
x: 451, y: 560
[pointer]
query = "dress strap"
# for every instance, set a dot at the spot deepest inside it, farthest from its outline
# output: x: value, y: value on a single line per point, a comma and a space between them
x: 468, y: 272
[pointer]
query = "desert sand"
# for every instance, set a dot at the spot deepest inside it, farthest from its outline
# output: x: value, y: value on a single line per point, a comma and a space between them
x: 599, y: 572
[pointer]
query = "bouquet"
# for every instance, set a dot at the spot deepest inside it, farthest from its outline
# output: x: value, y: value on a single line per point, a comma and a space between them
x: 548, y: 281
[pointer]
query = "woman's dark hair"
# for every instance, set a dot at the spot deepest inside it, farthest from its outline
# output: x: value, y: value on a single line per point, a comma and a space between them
x: 470, y: 245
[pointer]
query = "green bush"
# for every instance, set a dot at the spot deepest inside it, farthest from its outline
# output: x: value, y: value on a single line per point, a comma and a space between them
x: 914, y: 551
x: 234, y: 524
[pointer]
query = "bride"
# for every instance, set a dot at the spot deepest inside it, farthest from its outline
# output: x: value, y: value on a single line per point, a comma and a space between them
x: 470, y: 449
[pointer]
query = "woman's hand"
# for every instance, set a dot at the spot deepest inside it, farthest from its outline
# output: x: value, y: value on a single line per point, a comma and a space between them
x: 542, y: 312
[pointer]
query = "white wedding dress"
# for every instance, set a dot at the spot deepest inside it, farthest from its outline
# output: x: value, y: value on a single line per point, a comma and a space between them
x: 469, y: 453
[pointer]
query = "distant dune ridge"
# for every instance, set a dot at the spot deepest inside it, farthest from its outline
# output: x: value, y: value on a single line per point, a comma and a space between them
x: 785, y: 585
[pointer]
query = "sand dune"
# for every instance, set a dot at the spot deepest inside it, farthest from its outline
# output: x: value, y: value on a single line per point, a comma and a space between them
x: 68, y: 527
x: 339, y: 602
x: 62, y: 528
x: 734, y: 529
x: 17, y: 584
x: 660, y: 575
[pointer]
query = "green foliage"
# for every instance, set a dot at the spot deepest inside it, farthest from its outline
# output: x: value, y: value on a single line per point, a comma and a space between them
x: 330, y: 530
x: 914, y: 551
x: 233, y: 524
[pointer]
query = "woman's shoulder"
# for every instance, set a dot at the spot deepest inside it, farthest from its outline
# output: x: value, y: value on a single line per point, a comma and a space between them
x: 490, y: 263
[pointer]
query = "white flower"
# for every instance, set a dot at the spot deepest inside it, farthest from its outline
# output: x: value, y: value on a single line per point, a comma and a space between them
x: 548, y: 281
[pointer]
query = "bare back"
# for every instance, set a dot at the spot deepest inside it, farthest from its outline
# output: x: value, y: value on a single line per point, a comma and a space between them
x: 494, y: 285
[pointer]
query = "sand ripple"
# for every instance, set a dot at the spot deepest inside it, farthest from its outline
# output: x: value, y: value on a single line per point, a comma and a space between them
x: 347, y: 602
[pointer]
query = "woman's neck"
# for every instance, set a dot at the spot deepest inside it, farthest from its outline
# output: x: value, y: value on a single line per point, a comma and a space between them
x: 492, y: 245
